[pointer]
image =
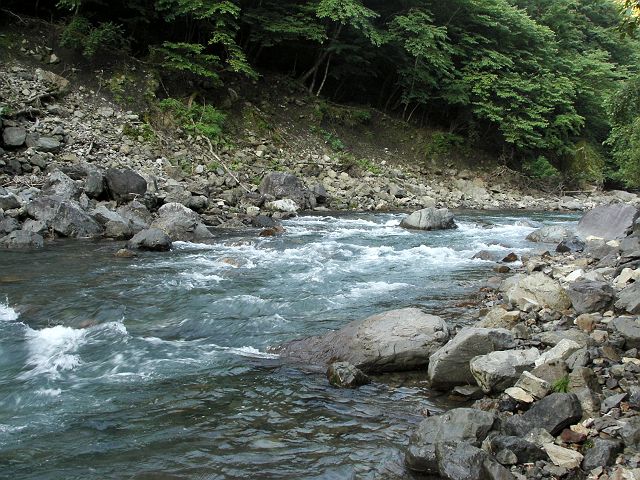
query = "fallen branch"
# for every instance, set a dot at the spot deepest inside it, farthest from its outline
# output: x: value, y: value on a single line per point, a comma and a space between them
x: 219, y: 160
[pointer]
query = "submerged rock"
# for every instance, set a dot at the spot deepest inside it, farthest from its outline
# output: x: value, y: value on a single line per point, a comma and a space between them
x: 181, y: 223
x: 152, y: 239
x: 391, y: 341
x: 430, y: 219
x: 345, y: 375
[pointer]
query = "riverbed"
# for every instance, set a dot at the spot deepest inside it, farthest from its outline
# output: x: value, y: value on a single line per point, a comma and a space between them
x: 157, y: 366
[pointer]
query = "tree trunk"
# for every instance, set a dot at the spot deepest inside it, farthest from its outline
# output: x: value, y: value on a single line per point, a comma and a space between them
x: 322, y: 56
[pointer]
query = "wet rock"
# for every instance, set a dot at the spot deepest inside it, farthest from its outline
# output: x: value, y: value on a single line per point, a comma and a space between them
x: 512, y: 257
x: 14, y: 137
x: 608, y: 222
x: 181, y: 223
x: 589, y: 297
x: 263, y: 221
x: 391, y: 341
x: 429, y: 219
x: 65, y: 217
x: 629, y: 299
x: 538, y: 290
x: 553, y: 413
x: 272, y: 231
x: 285, y: 185
x: 499, y: 370
x: 563, y: 457
x: 603, y: 453
x: 152, y: 239
x: 125, y: 253
x: 124, y: 184
x: 549, y: 234
x: 449, y: 366
x: 22, y: 240
x: 486, y: 256
x: 462, y: 461
x: 455, y: 426
x: 345, y: 375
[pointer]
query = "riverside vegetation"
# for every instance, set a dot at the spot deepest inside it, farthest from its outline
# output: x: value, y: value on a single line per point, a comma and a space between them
x: 127, y: 153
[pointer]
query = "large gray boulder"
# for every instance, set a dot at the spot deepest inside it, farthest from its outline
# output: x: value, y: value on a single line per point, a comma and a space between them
x: 608, y: 221
x: 285, y: 185
x: 430, y: 219
x: 629, y: 299
x: 61, y: 185
x: 152, y: 239
x: 603, y: 453
x: 43, y: 144
x: 8, y: 225
x: 553, y: 413
x: 497, y: 371
x: 14, y: 137
x: 462, y: 461
x: 629, y: 328
x: 124, y: 184
x: 536, y: 289
x: 137, y: 214
x: 449, y: 366
x: 466, y: 425
x: 590, y: 297
x: 65, y: 217
x: 550, y: 234
x: 8, y: 200
x: 22, y: 240
x: 391, y: 341
x: 181, y: 223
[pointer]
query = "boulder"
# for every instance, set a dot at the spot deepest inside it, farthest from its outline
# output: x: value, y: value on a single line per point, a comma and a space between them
x: 137, y: 214
x: 152, y: 239
x: 553, y: 413
x: 537, y: 289
x: 285, y: 185
x: 561, y: 351
x: 94, y: 183
x: 629, y: 328
x: 549, y: 234
x: 65, y: 217
x: 22, y: 240
x: 525, y: 451
x: 284, y: 205
x: 8, y: 225
x: 181, y: 223
x: 608, y: 222
x: 629, y: 299
x: 14, y: 137
x: 590, y: 297
x: 8, y: 201
x: 536, y: 387
x: 603, y: 453
x: 320, y: 193
x: 56, y: 84
x: 449, y: 366
x: 43, y: 144
x: 345, y: 375
x: 124, y: 184
x: 430, y: 219
x: 61, y: 185
x: 499, y: 370
x: 462, y: 461
x: 498, y: 317
x: 571, y: 245
x: 391, y: 341
x: 563, y: 457
x: 455, y: 426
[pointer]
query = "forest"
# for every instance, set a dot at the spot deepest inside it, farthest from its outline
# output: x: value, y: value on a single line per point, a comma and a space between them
x: 548, y: 86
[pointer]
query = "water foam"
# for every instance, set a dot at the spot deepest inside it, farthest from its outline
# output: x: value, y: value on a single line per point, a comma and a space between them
x: 7, y: 314
x: 53, y: 350
x: 250, y: 352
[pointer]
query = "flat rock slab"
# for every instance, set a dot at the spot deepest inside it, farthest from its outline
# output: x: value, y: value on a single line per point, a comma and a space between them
x: 391, y: 341
x: 608, y: 221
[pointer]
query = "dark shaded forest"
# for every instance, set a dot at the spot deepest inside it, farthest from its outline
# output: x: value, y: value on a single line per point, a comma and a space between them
x: 548, y: 86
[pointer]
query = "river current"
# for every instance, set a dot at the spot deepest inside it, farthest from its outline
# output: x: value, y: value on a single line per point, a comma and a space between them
x: 156, y: 366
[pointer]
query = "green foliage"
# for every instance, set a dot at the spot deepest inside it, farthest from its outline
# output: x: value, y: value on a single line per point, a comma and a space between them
x: 139, y: 131
x: 561, y: 385
x: 540, y: 168
x: 196, y: 119
x: 330, y: 139
x: 585, y: 166
x: 351, y: 162
x: 442, y: 144
x: 80, y: 34
x: 190, y: 57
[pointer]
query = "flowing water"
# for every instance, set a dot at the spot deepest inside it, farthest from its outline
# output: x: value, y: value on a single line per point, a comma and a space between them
x: 156, y: 367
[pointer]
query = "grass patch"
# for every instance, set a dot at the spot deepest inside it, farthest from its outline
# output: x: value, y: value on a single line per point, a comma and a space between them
x: 561, y: 385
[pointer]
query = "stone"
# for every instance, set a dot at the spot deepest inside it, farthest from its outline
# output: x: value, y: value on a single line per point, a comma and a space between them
x: 181, y: 223
x: 535, y: 386
x: 629, y: 299
x: 608, y: 222
x: 553, y: 413
x: 429, y: 219
x: 43, y: 144
x: 345, y: 375
x: 462, y: 461
x: 626, y: 276
x: 8, y: 225
x: 283, y: 205
x: 524, y: 450
x: 455, y: 426
x: 551, y: 371
x: 629, y: 328
x: 94, y: 184
x: 499, y: 370
x: 586, y: 322
x: 60, y: 185
x: 125, y: 253
x: 56, y: 84
x: 590, y: 297
x: 612, y: 402
x: 561, y: 351
x: 449, y: 366
x: 285, y: 185
x: 538, y: 290
x: 485, y: 255
x: 152, y: 239
x: 571, y: 245
x: 549, y: 234
x: 14, y: 137
x: 22, y: 240
x: 563, y: 457
x: 118, y: 230
x: 136, y: 214
x: 519, y: 395
x: 124, y: 184
x: 320, y: 193
x: 512, y: 257
x: 65, y: 217
x: 498, y: 317
x: 8, y: 201
x: 630, y: 431
x: 553, y: 338
x: 571, y: 436
x: 603, y: 453
x: 391, y: 341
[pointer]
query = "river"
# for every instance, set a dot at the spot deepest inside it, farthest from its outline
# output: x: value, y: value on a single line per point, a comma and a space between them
x: 156, y: 366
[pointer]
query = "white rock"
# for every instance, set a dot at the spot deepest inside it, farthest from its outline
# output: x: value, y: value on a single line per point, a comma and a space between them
x: 627, y: 275
x: 563, y: 457
x: 284, y: 205
x: 519, y: 394
x: 575, y: 275
x: 561, y: 351
x: 536, y: 387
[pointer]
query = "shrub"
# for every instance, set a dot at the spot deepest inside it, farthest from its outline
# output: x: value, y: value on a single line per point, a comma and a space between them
x: 540, y: 168
x: 81, y: 35
x: 196, y: 119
